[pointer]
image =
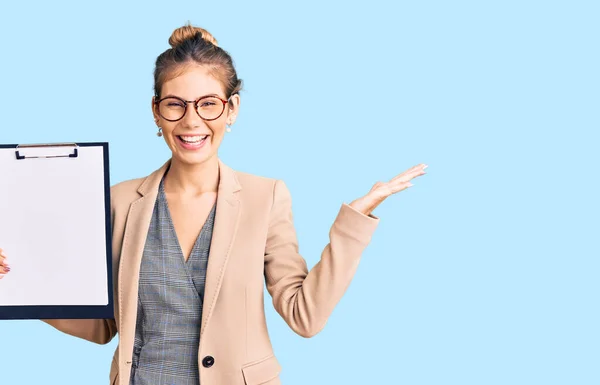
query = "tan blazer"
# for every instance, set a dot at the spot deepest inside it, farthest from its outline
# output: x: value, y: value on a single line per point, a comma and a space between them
x: 254, y: 242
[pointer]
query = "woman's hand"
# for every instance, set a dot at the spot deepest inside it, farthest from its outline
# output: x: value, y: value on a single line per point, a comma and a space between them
x: 382, y: 190
x: 3, y: 266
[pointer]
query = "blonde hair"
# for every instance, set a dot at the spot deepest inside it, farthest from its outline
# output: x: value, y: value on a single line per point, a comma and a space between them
x: 188, y: 31
x: 196, y: 46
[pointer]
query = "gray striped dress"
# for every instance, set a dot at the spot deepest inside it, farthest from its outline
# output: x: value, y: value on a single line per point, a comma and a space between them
x: 170, y: 297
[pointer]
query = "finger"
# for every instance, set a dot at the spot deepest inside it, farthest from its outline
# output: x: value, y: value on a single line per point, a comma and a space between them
x: 417, y: 170
x: 411, y: 173
x: 407, y: 177
x: 400, y: 187
x: 377, y: 186
x: 418, y: 167
x: 383, y: 190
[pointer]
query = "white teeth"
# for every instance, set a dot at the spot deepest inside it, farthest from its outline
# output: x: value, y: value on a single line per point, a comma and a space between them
x: 192, y: 139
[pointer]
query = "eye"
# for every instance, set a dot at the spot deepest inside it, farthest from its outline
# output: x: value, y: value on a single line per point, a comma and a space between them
x: 172, y: 104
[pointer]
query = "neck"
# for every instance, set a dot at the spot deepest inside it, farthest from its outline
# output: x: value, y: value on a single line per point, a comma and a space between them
x: 190, y: 179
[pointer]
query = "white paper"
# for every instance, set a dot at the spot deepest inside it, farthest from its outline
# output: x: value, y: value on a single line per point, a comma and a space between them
x: 52, y: 228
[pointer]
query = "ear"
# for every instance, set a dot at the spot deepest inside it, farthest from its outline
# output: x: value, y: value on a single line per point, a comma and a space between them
x: 233, y: 108
x: 154, y: 108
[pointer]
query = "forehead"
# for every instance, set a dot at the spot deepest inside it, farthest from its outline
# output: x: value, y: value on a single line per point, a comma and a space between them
x: 192, y: 81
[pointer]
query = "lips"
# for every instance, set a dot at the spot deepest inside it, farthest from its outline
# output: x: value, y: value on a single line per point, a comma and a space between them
x: 192, y: 142
x: 196, y: 139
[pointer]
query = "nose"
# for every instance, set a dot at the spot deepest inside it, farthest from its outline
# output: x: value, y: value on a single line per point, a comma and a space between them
x: 191, y: 119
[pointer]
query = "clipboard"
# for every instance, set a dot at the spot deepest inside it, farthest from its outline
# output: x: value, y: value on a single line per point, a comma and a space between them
x: 56, y: 231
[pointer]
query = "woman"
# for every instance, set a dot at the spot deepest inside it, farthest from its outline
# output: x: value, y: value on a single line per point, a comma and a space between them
x: 194, y: 241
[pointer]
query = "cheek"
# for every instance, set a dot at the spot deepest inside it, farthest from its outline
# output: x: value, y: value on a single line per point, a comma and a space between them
x: 168, y: 127
x: 218, y: 130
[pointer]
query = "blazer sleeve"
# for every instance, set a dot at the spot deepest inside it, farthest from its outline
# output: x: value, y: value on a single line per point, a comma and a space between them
x: 100, y: 331
x: 306, y: 299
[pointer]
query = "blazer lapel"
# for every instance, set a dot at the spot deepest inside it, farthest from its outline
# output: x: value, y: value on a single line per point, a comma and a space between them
x: 136, y: 231
x: 224, y: 231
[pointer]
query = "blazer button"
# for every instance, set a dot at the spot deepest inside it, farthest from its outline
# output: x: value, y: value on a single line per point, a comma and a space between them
x: 208, y: 361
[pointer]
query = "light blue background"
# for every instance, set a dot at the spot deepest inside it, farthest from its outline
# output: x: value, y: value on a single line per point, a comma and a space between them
x: 484, y: 272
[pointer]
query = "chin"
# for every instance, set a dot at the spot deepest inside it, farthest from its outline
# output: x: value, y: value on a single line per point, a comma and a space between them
x: 194, y: 159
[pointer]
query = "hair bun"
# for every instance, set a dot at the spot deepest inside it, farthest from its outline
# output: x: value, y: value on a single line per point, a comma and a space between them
x: 188, y: 31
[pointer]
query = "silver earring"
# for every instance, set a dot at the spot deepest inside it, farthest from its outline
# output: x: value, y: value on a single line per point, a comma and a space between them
x: 159, y: 133
x: 228, y: 129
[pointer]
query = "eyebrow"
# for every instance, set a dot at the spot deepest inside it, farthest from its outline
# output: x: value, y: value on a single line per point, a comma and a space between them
x: 200, y: 97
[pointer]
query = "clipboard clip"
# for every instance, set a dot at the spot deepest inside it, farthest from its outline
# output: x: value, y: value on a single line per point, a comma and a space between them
x: 72, y: 154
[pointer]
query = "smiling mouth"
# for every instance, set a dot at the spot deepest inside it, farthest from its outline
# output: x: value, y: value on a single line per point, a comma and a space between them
x: 192, y: 139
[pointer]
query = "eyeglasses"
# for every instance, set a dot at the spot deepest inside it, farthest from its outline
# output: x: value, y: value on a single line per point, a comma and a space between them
x: 173, y: 108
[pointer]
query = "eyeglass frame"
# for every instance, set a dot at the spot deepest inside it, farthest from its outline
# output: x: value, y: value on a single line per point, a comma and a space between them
x: 157, y: 102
